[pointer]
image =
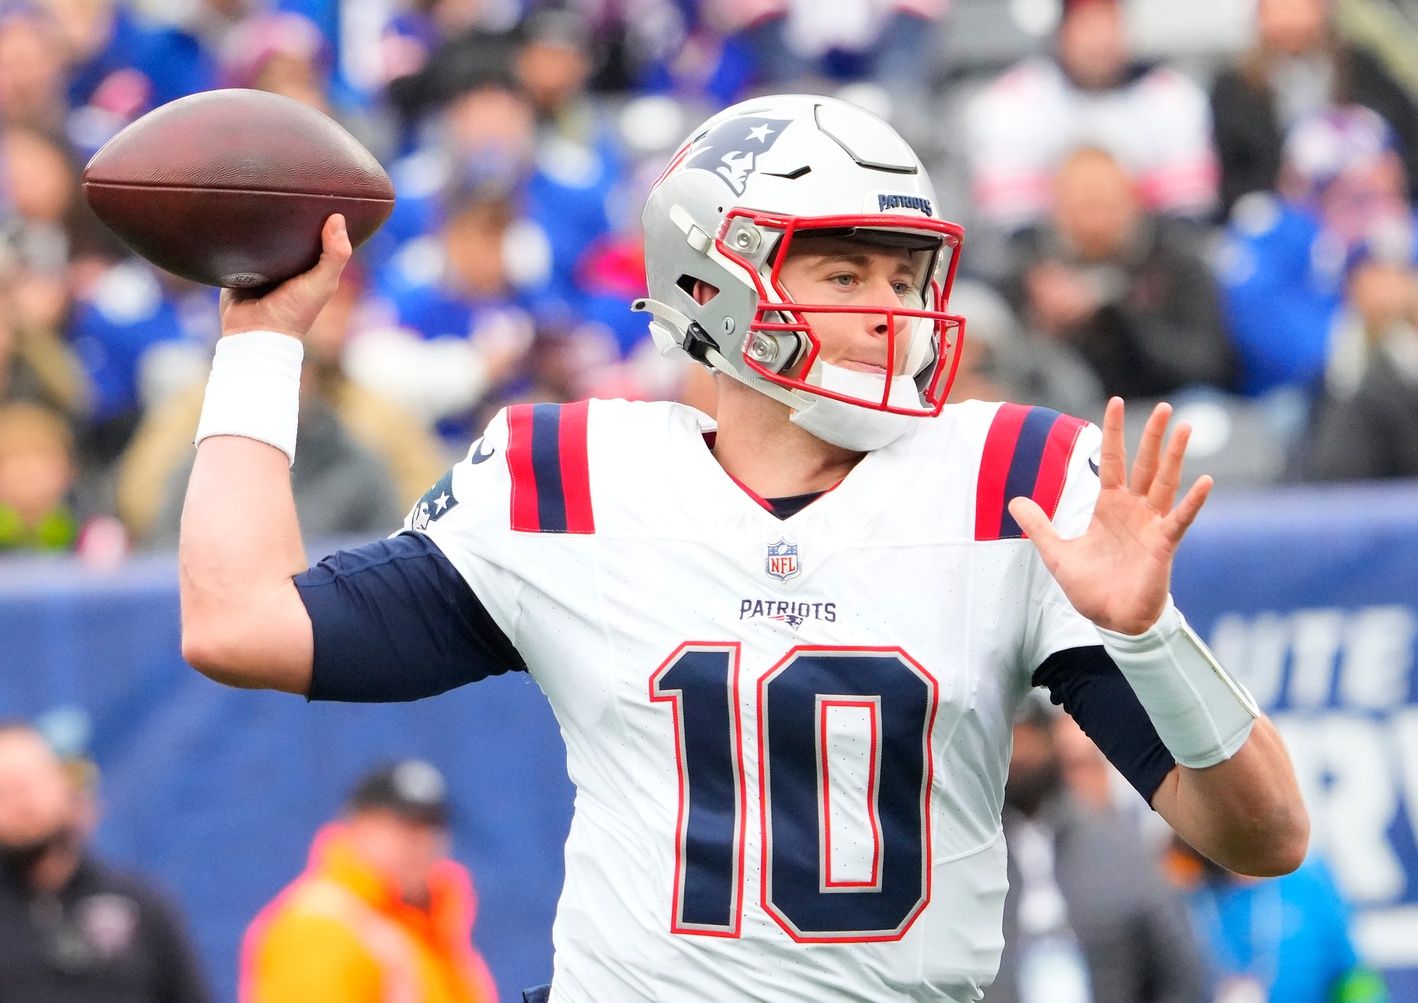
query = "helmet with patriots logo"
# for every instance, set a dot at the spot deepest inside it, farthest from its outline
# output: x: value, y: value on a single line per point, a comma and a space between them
x: 725, y: 213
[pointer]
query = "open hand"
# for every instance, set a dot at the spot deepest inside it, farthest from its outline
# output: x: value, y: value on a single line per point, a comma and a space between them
x: 1118, y: 573
x: 291, y: 307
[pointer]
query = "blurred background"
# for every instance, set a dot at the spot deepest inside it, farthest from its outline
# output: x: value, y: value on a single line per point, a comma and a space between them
x: 1211, y: 202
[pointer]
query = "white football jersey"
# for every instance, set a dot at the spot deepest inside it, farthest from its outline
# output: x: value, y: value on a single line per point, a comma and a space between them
x: 789, y: 738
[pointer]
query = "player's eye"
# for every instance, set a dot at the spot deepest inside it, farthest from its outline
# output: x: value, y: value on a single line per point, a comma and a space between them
x: 845, y: 280
x: 903, y: 289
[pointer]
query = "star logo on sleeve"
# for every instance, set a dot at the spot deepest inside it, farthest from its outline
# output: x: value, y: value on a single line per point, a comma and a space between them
x: 731, y: 149
x: 436, y: 502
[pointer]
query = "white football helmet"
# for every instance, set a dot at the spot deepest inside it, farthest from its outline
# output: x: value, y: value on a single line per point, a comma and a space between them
x: 726, y: 211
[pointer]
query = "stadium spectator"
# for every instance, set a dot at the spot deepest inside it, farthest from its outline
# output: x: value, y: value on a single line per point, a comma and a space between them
x: 1128, y: 291
x: 37, y: 477
x: 487, y: 141
x: 130, y: 328
x: 553, y: 65
x: 38, y: 199
x: 363, y: 458
x: 1281, y: 266
x: 73, y: 930
x: 891, y: 42
x: 457, y: 324
x: 1089, y: 90
x: 436, y: 50
x: 1281, y: 940
x: 353, y: 51
x: 1088, y: 916
x: 32, y: 71
x: 638, y: 46
x: 999, y: 362
x: 1363, y: 423
x: 35, y: 363
x: 121, y: 63
x: 381, y: 912
x: 280, y: 52
x: 1298, y: 67
x: 106, y: 39
x: 577, y: 147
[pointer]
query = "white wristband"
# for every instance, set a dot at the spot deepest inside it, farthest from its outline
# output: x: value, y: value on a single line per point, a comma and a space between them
x: 1200, y: 712
x: 254, y: 389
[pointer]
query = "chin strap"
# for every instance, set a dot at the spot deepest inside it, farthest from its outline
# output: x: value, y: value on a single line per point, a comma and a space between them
x: 664, y: 321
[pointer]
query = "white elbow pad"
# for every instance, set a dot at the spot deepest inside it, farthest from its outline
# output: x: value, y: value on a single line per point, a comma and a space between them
x: 1201, y: 713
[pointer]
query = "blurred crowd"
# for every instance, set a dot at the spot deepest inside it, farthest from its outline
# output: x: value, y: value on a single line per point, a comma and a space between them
x: 1228, y: 224
x: 1107, y: 905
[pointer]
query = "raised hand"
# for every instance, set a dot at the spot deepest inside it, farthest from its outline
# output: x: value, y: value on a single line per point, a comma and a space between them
x: 1118, y: 573
x: 292, y: 306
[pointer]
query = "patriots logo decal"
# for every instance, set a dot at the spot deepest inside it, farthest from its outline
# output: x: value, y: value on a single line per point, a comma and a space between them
x: 436, y: 502
x: 731, y: 149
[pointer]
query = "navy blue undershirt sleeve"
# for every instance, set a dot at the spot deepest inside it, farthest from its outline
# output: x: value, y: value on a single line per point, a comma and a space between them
x: 394, y: 620
x: 1095, y: 693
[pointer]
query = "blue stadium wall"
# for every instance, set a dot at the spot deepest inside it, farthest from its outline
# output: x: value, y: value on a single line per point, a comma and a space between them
x: 1311, y: 594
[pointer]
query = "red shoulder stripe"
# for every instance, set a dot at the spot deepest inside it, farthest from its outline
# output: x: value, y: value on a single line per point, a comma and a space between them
x: 575, y: 467
x: 525, y: 513
x: 995, y: 462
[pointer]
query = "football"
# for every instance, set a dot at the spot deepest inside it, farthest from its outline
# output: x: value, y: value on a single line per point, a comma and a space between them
x: 231, y: 187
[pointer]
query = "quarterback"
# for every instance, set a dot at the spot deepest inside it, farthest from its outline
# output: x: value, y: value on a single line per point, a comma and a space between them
x: 784, y: 648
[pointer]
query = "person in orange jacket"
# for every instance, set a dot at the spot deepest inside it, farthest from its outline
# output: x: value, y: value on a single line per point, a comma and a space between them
x: 380, y: 915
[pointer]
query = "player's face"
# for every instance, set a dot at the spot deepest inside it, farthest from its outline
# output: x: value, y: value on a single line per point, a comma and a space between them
x: 834, y: 271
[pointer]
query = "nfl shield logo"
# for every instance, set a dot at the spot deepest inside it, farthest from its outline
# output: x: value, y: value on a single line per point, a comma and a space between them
x: 783, y: 560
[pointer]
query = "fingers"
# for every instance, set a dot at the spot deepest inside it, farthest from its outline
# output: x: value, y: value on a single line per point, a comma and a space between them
x: 1036, y: 525
x: 292, y: 306
x: 316, y: 286
x: 1112, y: 466
x: 1144, y: 468
x: 335, y: 240
x: 1169, y: 476
x: 335, y: 251
x: 1181, y: 518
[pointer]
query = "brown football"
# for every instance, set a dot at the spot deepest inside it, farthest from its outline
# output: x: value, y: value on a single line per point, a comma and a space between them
x: 231, y: 187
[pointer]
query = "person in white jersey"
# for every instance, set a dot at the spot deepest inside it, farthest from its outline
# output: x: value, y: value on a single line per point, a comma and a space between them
x: 784, y: 649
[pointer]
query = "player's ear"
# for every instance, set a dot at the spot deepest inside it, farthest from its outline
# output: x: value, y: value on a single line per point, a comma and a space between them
x: 703, y: 292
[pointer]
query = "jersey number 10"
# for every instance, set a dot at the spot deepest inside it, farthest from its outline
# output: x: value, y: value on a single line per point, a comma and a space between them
x: 891, y: 700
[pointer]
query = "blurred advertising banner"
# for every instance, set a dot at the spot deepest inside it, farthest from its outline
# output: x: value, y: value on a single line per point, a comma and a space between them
x: 1310, y: 595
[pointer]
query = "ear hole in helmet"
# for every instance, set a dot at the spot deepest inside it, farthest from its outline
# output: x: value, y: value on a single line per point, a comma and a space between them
x: 697, y: 289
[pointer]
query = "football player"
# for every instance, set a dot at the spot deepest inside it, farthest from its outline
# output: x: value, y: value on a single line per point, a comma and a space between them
x: 784, y: 649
